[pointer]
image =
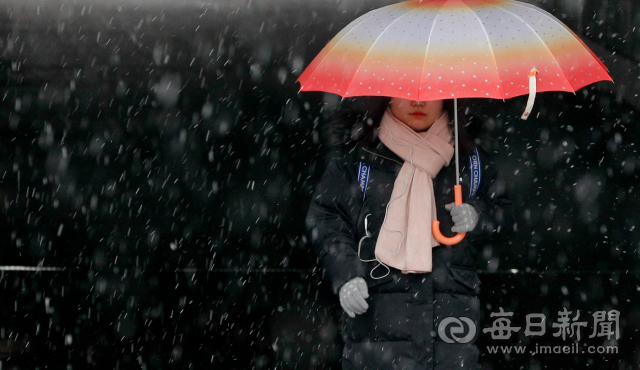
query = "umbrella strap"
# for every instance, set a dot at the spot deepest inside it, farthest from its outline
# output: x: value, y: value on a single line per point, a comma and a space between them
x: 532, y: 93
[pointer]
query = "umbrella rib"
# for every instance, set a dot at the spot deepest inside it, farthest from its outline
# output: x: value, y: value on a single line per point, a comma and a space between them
x: 493, y: 55
x: 345, y: 35
x: 569, y: 31
x: 539, y: 38
x: 426, y: 52
x: 372, y: 45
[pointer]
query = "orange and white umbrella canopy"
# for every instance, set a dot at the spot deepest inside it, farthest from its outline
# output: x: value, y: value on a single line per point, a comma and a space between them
x: 443, y: 49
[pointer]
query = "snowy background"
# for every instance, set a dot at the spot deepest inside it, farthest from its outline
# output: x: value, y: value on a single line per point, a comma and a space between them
x: 158, y: 157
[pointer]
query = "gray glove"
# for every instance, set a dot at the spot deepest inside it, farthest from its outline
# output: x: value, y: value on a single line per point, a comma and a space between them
x: 464, y: 216
x: 352, y: 297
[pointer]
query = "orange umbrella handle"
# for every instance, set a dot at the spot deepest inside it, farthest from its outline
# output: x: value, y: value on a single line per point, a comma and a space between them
x: 435, y: 226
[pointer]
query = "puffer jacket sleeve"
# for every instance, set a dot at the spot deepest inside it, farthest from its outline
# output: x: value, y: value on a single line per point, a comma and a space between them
x: 495, y: 210
x: 331, y: 222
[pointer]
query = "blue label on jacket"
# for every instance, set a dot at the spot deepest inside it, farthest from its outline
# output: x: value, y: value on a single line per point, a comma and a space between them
x: 476, y: 173
x: 363, y: 177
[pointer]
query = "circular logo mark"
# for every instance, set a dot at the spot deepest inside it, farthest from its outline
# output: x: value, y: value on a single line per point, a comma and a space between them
x: 456, y: 327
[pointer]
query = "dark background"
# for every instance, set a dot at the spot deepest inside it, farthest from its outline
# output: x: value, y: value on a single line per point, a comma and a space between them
x: 158, y: 157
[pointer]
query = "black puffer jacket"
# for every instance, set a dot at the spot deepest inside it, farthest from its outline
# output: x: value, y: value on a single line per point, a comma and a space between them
x: 399, y: 330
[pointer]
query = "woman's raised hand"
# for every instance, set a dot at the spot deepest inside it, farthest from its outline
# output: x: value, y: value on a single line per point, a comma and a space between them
x: 352, y: 297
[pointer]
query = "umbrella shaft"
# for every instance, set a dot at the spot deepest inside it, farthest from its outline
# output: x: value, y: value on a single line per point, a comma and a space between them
x: 455, y: 125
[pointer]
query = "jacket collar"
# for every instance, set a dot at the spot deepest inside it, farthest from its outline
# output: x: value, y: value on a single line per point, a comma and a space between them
x: 376, y: 154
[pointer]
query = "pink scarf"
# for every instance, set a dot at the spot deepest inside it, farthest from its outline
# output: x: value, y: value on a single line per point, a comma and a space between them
x: 405, y: 239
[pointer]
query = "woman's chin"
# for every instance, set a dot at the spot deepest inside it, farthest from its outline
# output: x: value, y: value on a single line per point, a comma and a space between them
x: 418, y: 125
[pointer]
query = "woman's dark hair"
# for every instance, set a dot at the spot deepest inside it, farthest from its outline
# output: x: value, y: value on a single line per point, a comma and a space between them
x: 355, y: 120
x: 358, y: 118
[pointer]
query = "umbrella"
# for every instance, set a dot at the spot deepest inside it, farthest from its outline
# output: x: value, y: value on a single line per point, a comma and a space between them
x: 448, y: 49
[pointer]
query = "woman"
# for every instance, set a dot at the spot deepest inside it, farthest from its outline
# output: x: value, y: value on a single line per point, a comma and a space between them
x: 391, y: 314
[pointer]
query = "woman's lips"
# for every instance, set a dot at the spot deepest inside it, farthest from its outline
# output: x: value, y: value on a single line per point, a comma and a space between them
x: 418, y: 114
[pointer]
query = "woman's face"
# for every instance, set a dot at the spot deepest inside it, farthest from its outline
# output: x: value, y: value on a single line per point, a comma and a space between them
x: 419, y: 115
